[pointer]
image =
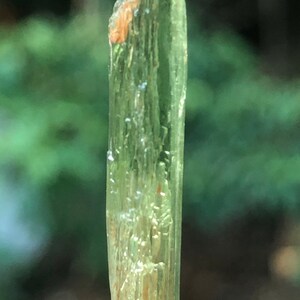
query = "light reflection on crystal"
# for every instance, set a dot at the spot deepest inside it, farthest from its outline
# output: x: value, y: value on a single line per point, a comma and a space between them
x: 145, y: 161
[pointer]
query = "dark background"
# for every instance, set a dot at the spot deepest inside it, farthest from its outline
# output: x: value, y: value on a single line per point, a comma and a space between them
x: 241, y: 231
x: 271, y: 27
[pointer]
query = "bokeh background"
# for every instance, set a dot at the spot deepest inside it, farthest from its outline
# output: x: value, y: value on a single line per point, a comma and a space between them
x: 241, y: 223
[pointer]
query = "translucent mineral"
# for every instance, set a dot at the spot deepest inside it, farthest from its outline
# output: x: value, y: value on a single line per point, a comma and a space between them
x: 145, y: 155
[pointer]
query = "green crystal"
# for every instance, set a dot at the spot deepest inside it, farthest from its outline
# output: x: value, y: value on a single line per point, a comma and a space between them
x: 145, y: 156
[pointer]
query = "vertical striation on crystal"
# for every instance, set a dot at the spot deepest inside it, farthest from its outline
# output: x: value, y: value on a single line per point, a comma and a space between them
x: 145, y: 156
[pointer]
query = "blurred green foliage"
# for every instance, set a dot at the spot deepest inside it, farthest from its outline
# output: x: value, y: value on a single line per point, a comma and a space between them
x: 242, y: 134
x: 242, y: 150
x: 53, y: 127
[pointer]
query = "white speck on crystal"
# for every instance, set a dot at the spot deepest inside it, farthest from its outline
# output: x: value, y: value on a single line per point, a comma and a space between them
x: 110, y: 156
x: 142, y: 86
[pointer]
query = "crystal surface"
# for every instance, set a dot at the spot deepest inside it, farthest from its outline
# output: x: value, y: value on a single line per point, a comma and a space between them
x: 145, y: 156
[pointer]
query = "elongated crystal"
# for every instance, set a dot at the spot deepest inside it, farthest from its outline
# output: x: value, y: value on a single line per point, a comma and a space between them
x: 145, y: 156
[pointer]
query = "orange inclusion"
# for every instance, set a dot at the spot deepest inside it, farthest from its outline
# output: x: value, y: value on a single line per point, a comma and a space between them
x: 159, y: 189
x: 124, y: 15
